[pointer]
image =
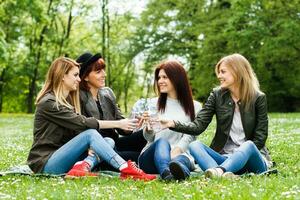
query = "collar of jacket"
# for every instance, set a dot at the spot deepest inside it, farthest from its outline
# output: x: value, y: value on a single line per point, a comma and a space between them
x: 226, y: 93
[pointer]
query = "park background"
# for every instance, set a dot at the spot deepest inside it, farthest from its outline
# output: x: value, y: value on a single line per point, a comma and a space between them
x: 133, y: 36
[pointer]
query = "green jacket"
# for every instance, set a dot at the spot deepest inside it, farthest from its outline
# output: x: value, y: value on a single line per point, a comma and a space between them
x: 53, y: 127
x: 220, y: 103
x: 109, y: 106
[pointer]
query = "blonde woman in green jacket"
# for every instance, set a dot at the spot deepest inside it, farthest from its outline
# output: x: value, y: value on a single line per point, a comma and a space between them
x: 62, y: 137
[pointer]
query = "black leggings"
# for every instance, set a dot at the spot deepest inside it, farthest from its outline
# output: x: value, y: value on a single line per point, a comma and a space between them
x: 128, y: 147
x: 133, y: 142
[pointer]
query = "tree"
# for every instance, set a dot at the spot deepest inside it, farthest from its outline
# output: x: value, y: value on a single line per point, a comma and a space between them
x: 202, y: 32
x: 36, y: 42
x: 12, y: 13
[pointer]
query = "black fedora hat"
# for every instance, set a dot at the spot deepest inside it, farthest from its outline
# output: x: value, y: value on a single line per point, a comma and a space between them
x: 86, y: 59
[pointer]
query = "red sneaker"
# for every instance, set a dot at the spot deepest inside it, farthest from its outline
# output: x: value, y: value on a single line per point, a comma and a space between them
x: 132, y: 171
x: 80, y: 169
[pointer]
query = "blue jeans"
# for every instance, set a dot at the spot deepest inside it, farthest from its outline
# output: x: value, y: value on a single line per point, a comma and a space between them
x: 157, y: 157
x: 66, y: 156
x: 246, y: 158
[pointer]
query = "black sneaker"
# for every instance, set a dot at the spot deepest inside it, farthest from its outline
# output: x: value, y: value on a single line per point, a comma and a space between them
x: 167, y: 175
x: 178, y: 171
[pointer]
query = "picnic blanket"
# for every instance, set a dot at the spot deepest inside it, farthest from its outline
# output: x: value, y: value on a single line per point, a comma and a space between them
x: 25, y: 170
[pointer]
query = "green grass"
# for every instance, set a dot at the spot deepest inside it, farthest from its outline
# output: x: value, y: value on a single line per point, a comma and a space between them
x: 284, y: 143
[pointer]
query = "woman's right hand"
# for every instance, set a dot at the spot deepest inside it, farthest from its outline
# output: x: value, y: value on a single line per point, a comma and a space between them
x: 146, y: 119
x: 167, y: 123
x: 128, y: 124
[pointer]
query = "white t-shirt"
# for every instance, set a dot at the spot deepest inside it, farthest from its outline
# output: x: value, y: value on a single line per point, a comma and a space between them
x: 236, y: 134
x: 173, y: 111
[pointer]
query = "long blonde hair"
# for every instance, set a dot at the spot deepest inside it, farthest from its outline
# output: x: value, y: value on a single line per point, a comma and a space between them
x: 54, y: 83
x: 244, y: 77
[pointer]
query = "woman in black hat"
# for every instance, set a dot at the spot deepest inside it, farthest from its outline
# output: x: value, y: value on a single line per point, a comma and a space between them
x: 100, y: 102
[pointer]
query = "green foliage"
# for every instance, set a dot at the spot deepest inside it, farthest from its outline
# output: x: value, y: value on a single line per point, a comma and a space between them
x: 45, y: 30
x: 283, y: 142
x: 265, y: 32
x: 33, y: 33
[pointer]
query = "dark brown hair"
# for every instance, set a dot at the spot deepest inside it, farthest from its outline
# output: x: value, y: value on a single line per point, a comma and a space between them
x: 95, y: 66
x: 178, y: 77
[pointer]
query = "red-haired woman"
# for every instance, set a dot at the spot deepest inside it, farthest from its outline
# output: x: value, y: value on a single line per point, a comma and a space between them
x: 166, y: 152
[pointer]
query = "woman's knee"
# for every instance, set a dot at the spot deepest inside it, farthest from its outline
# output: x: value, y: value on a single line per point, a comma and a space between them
x: 162, y: 145
x: 110, y: 141
x: 196, y: 145
x: 248, y: 147
x: 92, y: 133
x: 162, y: 142
x: 249, y: 144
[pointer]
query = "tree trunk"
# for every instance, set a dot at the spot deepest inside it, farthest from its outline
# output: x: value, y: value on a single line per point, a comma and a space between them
x: 32, y: 82
x: 128, y: 80
x: 103, y: 29
x: 105, y: 40
x: 66, y: 32
x: 31, y: 93
x: 108, y: 63
x: 61, y: 43
x: 6, y: 66
x: 1, y: 88
x: 32, y: 85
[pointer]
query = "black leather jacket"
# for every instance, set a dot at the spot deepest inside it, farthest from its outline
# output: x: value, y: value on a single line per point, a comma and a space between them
x: 220, y: 103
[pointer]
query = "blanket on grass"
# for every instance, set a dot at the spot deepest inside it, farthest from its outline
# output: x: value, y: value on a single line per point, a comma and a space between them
x: 25, y: 170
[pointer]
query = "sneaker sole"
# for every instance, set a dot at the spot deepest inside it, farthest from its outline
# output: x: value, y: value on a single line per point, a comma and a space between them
x: 168, y: 178
x: 177, y: 171
x: 78, y: 177
x: 230, y: 176
x: 80, y: 174
x: 208, y: 174
x: 123, y: 177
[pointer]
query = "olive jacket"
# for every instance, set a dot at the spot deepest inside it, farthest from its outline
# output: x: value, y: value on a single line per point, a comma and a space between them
x: 220, y: 103
x: 53, y: 127
x: 109, y: 106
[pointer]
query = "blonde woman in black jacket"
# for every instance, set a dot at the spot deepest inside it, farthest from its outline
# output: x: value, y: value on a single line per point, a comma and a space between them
x: 242, y: 123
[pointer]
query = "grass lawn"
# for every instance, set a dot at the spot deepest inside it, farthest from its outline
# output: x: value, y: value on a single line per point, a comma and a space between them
x: 283, y: 142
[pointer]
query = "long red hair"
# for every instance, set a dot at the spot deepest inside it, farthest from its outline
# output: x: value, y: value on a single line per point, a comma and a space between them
x: 178, y: 77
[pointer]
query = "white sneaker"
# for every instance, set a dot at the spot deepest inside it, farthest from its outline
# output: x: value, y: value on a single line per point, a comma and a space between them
x: 230, y: 175
x: 213, y: 173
